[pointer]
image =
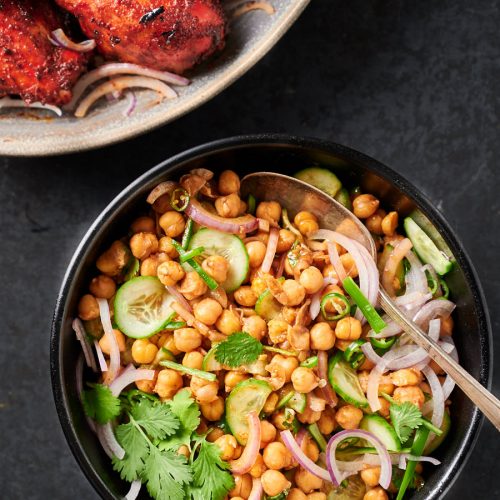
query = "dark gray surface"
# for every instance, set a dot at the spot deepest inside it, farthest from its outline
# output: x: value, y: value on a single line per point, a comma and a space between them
x: 413, y: 84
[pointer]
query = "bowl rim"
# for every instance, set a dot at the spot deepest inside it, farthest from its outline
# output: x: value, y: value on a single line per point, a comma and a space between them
x: 277, y: 140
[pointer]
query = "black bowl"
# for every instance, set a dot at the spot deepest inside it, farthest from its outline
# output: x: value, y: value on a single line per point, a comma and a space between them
x: 282, y: 154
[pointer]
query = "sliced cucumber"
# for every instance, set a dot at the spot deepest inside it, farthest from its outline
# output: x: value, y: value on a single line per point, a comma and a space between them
x: 343, y: 197
x: 382, y: 429
x: 445, y: 427
x: 132, y: 269
x: 210, y: 364
x: 267, y: 307
x: 298, y: 402
x: 229, y: 246
x: 142, y: 307
x: 345, y: 381
x: 249, y: 395
x: 426, y: 249
x: 321, y: 178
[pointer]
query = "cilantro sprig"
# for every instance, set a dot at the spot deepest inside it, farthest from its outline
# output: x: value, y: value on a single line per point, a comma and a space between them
x: 239, y: 349
x: 100, y: 404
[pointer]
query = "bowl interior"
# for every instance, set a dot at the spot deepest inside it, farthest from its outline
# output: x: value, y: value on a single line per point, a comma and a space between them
x: 285, y: 155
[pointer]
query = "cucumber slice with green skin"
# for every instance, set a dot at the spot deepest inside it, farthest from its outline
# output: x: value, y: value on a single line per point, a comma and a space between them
x: 297, y: 402
x: 382, y: 429
x: 321, y: 178
x: 445, y: 427
x: 345, y: 381
x: 247, y: 396
x: 267, y: 307
x: 230, y: 247
x: 142, y: 307
x: 426, y: 249
x: 343, y: 197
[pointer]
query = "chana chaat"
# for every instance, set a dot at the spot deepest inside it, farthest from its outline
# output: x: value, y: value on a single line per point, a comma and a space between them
x: 238, y: 352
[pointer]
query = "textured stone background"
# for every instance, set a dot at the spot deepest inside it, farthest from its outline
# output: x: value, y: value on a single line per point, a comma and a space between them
x: 413, y: 84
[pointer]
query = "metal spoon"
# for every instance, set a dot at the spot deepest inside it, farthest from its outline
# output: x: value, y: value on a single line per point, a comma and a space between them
x: 296, y: 195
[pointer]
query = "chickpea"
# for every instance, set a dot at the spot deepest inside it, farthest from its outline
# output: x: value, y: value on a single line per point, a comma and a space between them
x: 207, y: 311
x: 147, y: 385
x: 168, y: 383
x: 308, y: 227
x: 228, y: 206
x: 277, y: 330
x: 308, y: 416
x: 259, y: 467
x: 143, y: 225
x: 303, y: 216
x: 329, y: 272
x: 296, y: 494
x: 349, y: 417
x: 233, y: 378
x: 102, y: 287
x: 149, y: 266
x: 120, y: 339
x: 213, y: 411
x: 214, y: 434
x: 88, y: 308
x: 274, y: 482
x: 183, y: 450
x: 385, y: 385
x: 310, y: 449
x: 342, y: 344
x: 242, y: 486
x: 349, y: 265
x: 306, y: 481
x: 255, y: 326
x: 370, y: 476
x: 348, y: 328
x: 193, y: 359
x: 384, y: 407
x: 316, y: 495
x: 227, y: 444
x: 327, y: 422
x: 280, y: 421
x: 271, y: 402
x: 256, y: 252
x: 258, y: 285
x: 143, y: 245
x: 168, y: 342
x: 288, y: 363
x: 311, y: 279
x: 446, y: 326
x: 245, y: 296
x: 217, y: 267
x: 294, y: 291
x: 114, y: 259
x: 276, y: 456
x: 267, y: 433
x: 204, y: 391
x: 304, y: 380
x: 374, y: 222
x: 165, y: 245
x: 390, y: 223
x: 170, y: 272
x: 229, y: 182
x: 289, y: 314
x: 143, y: 351
x: 228, y: 322
x: 187, y: 339
x: 269, y: 210
x: 410, y: 393
x: 322, y: 336
x: 407, y: 376
x: 192, y: 286
x: 172, y: 223
x: 377, y: 493
x: 285, y: 240
x: 364, y: 205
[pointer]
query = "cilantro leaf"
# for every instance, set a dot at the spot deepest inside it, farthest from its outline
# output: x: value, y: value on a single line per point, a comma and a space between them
x: 136, y: 449
x: 211, y: 477
x: 405, y: 417
x: 165, y: 473
x: 156, y: 419
x: 100, y: 404
x: 239, y: 349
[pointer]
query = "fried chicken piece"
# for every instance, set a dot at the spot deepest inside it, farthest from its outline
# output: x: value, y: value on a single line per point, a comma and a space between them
x: 30, y: 65
x: 171, y: 35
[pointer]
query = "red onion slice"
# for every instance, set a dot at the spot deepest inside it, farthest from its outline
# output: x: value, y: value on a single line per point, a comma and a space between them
x: 100, y: 357
x: 326, y: 389
x: 331, y: 462
x: 132, y: 103
x: 407, y: 456
x: 238, y: 225
x: 315, y: 307
x: 300, y: 436
x: 412, y: 300
x: 7, y: 102
x: 373, y: 384
x: 81, y: 335
x: 257, y: 490
x: 396, y: 256
x: 437, y: 399
x: 434, y: 329
x: 172, y: 290
x: 109, y: 442
x: 281, y: 266
x: 128, y: 377
x: 60, y: 39
x: 133, y: 492
x: 114, y: 358
x: 433, y: 309
x: 335, y: 260
x: 302, y: 458
x: 370, y: 353
x: 247, y: 459
x: 272, y: 244
x: 415, y: 278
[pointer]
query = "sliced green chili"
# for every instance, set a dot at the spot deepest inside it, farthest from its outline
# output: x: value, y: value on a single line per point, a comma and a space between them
x: 174, y: 325
x: 369, y: 312
x: 445, y: 287
x: 384, y: 343
x: 251, y: 202
x: 354, y: 355
x: 318, y: 437
x: 188, y: 234
x: 189, y: 371
x: 432, y: 283
x: 332, y: 298
x: 311, y: 362
x: 191, y: 254
x: 179, y: 199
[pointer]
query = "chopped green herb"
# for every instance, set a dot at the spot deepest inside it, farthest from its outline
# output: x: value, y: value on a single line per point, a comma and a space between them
x: 100, y: 404
x: 239, y: 349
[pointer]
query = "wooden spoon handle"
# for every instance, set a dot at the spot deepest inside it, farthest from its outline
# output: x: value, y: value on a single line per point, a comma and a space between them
x: 478, y: 394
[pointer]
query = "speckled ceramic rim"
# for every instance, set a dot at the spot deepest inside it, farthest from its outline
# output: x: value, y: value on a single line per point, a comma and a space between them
x: 452, y: 469
x: 73, y: 143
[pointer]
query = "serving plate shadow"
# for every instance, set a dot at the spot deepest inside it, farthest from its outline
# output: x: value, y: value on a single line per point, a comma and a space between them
x: 39, y: 133
x: 283, y: 154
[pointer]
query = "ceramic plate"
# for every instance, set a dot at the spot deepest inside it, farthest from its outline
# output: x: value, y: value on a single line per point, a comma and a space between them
x: 37, y: 132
